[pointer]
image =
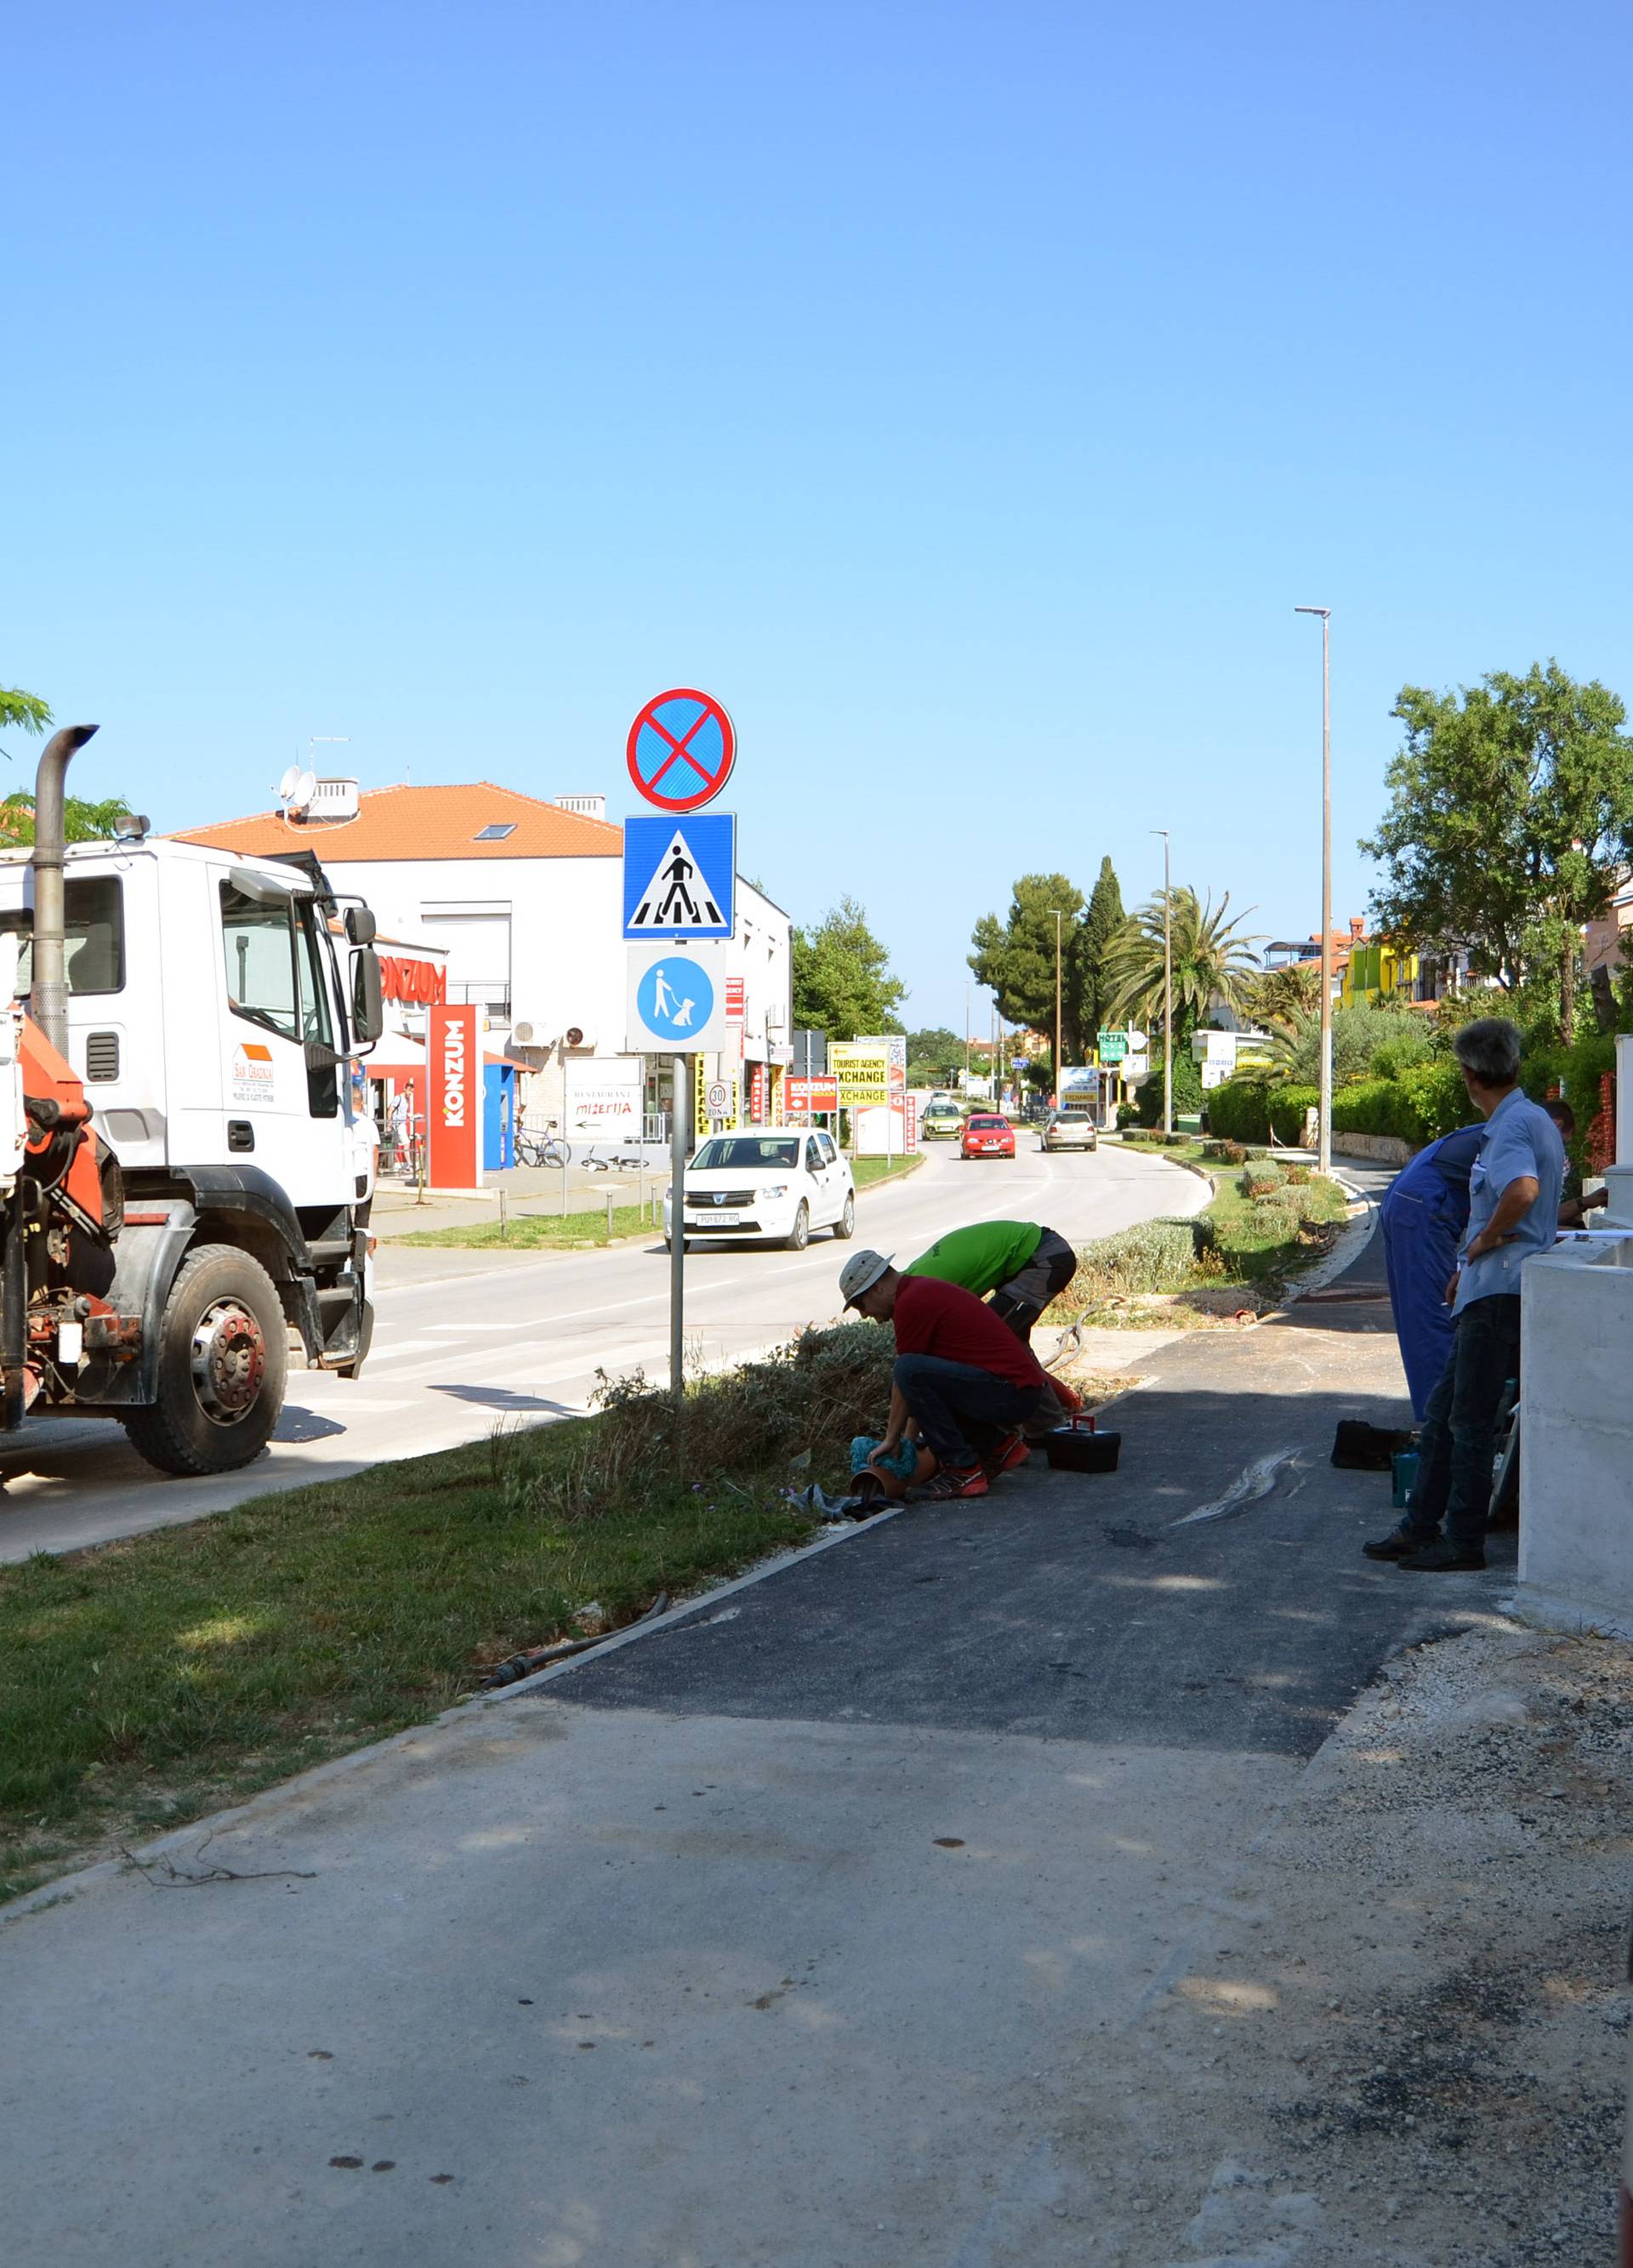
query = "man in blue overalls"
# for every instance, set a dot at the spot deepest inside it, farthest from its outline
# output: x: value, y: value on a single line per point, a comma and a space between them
x: 1422, y: 1216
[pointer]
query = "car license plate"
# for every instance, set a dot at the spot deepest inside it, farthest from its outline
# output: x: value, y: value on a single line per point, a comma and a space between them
x: 726, y: 1220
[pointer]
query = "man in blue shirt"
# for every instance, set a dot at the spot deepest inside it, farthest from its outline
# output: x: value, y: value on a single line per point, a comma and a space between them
x: 1422, y: 1219
x: 1513, y: 1211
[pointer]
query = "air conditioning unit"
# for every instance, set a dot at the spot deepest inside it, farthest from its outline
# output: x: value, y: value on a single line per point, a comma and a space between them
x: 522, y: 1033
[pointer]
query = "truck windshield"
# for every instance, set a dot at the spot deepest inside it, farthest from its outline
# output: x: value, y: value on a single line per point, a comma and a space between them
x: 94, y: 925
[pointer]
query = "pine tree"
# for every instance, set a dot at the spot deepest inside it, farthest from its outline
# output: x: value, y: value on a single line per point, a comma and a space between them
x: 1103, y: 921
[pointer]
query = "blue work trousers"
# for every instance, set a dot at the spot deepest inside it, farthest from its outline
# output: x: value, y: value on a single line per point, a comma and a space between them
x: 963, y: 1412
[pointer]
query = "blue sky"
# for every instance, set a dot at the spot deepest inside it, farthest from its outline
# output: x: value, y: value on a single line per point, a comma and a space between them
x: 967, y: 394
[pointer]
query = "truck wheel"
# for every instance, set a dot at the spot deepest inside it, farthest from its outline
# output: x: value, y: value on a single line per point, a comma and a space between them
x: 222, y: 1354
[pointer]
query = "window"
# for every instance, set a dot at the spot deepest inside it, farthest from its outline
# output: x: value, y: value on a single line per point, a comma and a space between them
x: 496, y: 831
x: 746, y: 1152
x: 93, y: 925
x: 262, y: 982
x: 825, y: 1142
x: 814, y: 1156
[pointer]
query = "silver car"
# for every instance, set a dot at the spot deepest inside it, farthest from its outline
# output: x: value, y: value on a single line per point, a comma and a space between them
x: 1068, y: 1129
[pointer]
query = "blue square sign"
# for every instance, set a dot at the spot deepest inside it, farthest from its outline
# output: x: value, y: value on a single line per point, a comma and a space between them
x: 680, y: 876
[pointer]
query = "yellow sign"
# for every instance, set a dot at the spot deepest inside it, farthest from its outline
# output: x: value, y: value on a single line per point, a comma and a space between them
x: 863, y: 1073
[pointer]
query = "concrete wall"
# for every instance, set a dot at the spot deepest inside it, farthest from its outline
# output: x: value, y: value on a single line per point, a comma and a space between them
x: 1576, y: 1433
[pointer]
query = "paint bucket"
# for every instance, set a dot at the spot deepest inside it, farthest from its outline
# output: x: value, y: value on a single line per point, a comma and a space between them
x: 1403, y: 1464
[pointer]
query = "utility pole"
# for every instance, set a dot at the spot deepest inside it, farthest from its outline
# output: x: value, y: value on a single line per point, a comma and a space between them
x: 1168, y: 989
x: 1059, y: 1091
x: 1324, y: 1114
x: 966, y: 1035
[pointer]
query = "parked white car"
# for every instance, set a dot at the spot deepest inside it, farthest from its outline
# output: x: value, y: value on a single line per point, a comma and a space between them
x: 773, y: 1185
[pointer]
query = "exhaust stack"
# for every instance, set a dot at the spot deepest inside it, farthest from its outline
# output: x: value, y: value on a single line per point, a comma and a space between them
x: 48, y: 999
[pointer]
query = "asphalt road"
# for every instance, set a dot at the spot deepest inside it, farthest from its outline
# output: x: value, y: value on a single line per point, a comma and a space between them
x: 465, y: 1339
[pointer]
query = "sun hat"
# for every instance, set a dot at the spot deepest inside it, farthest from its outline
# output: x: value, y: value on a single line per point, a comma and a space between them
x: 860, y: 1273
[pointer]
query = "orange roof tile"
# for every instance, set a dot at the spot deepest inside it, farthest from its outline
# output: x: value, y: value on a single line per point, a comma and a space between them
x: 426, y: 822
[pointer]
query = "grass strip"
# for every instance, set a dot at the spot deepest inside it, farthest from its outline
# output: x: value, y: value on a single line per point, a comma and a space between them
x: 149, y: 1681
x: 1266, y: 1222
x: 529, y: 1232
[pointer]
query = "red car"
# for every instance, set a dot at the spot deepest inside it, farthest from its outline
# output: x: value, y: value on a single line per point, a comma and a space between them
x: 988, y: 1138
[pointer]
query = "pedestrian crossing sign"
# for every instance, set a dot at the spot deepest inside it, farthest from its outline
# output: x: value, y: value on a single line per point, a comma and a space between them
x: 680, y: 876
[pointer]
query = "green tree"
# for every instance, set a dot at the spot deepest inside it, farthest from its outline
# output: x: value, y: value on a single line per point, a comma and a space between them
x: 1015, y: 959
x: 84, y: 821
x: 1090, y: 991
x: 1510, y: 810
x: 933, y: 1055
x: 842, y: 984
x: 1279, y: 996
x: 1372, y: 1039
x: 22, y: 712
x: 1211, y: 961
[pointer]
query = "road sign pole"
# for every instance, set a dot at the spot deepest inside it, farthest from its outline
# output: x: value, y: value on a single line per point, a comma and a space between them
x: 677, y: 1223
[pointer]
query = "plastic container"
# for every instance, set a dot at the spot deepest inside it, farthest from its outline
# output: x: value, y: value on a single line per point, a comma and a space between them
x: 1079, y: 1447
x: 1404, y: 1465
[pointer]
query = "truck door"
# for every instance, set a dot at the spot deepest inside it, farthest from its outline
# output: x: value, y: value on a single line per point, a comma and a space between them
x: 283, y: 1101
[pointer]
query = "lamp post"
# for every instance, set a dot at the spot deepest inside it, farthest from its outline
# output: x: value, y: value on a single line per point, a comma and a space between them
x: 1168, y: 989
x: 966, y: 1035
x: 1059, y: 1091
x: 1324, y: 1109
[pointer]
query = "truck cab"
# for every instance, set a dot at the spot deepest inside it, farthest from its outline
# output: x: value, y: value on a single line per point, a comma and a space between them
x: 213, y: 1006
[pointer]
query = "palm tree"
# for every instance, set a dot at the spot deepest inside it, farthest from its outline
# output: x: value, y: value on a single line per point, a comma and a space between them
x: 1281, y: 995
x: 1211, y: 961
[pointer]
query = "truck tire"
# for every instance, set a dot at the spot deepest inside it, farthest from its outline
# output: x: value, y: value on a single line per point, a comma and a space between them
x: 223, y: 1355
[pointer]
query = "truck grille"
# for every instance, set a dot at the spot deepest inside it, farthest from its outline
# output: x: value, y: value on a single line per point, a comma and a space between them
x: 102, y: 1055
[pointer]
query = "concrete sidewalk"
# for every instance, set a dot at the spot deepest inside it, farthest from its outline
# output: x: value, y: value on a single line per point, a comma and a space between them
x: 1009, y: 1883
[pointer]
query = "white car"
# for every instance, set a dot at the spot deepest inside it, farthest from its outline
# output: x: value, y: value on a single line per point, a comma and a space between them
x: 773, y: 1185
x: 1068, y: 1129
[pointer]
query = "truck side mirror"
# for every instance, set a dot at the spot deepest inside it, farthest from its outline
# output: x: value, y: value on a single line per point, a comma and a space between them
x: 368, y: 1002
x: 361, y: 926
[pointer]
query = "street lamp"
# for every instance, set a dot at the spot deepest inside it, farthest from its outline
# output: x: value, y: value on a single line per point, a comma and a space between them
x: 1168, y: 989
x: 1324, y: 1114
x: 1059, y: 1091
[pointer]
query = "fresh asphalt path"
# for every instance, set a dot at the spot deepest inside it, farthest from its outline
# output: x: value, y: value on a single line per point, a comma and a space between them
x: 821, y: 1928
x: 466, y: 1339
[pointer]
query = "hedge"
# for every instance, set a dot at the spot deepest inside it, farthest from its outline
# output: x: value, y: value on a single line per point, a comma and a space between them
x: 1246, y: 1109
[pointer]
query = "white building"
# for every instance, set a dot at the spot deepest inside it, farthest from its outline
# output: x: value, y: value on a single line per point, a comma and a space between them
x: 527, y: 898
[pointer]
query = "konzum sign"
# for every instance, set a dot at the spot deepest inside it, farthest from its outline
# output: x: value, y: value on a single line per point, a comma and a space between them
x: 415, y: 984
x: 453, y: 1109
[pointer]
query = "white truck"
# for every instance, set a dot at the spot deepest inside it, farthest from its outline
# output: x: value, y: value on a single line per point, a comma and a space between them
x: 185, y: 1179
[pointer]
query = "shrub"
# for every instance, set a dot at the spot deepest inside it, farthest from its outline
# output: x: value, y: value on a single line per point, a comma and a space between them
x: 1264, y: 1177
x: 1154, y: 1255
x: 1187, y: 1089
x: 1248, y: 1109
x: 820, y: 1389
x: 1226, y: 1154
x: 1297, y: 1173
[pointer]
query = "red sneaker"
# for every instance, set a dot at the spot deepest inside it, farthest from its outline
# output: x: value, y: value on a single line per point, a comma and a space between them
x: 1014, y: 1449
x: 954, y: 1481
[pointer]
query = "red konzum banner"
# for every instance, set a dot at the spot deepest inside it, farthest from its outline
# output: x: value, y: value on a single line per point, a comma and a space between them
x: 806, y: 1098
x: 454, y: 1103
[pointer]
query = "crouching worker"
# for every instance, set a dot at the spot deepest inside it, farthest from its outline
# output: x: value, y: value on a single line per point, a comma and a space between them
x: 1022, y: 1266
x: 963, y: 1384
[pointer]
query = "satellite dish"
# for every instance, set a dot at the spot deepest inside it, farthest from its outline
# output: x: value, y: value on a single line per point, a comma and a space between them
x: 288, y: 785
x: 304, y: 788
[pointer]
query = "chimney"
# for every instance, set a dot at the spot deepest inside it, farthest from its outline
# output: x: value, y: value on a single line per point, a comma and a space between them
x: 587, y: 807
x: 1357, y: 928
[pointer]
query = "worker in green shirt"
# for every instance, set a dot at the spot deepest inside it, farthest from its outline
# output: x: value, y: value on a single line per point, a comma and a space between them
x: 1020, y: 1265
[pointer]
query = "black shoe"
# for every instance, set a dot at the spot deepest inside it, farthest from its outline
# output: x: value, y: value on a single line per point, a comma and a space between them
x: 1397, y: 1544
x: 1444, y: 1558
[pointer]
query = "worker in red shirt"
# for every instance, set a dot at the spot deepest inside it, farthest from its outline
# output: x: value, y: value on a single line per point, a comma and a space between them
x: 963, y: 1383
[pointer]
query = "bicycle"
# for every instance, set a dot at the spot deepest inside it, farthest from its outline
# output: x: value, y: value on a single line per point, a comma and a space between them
x: 542, y: 1150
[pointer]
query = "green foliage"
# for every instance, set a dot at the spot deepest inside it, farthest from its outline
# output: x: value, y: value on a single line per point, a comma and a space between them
x: 83, y: 820
x: 933, y: 1055
x: 22, y: 712
x: 842, y: 985
x: 1426, y: 1100
x: 1226, y: 1154
x: 1510, y: 811
x: 1245, y: 1110
x: 1278, y: 997
x: 1188, y: 1090
x: 1154, y: 1255
x: 1264, y: 1177
x: 1086, y: 968
x: 1358, y: 1032
x: 1212, y: 962
x: 1015, y: 958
